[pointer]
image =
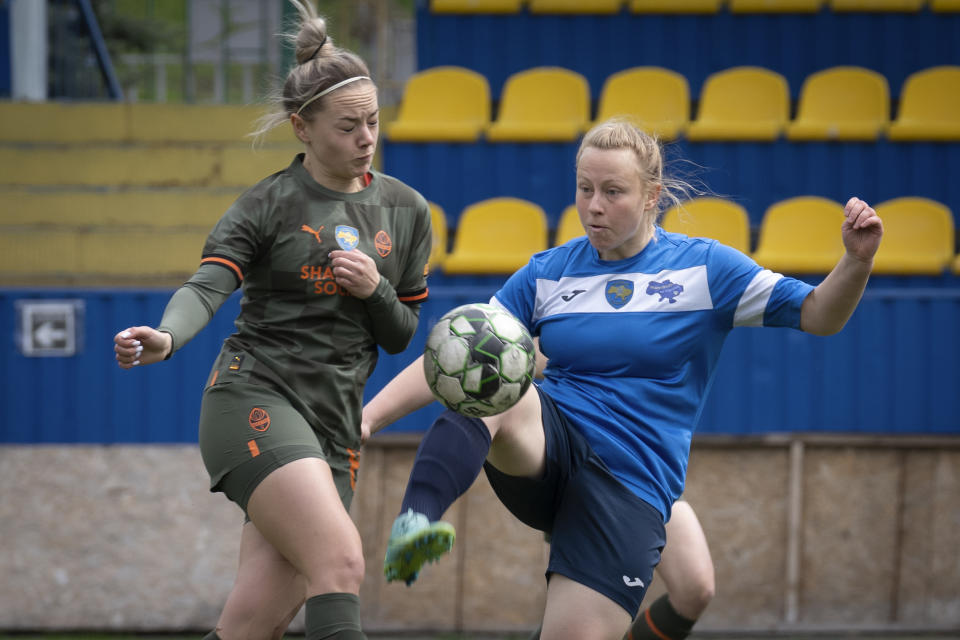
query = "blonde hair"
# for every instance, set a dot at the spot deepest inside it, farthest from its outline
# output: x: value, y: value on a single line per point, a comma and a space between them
x: 320, y: 66
x: 621, y: 133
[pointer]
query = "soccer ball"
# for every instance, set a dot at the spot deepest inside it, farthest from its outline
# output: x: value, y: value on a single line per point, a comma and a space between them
x: 479, y: 360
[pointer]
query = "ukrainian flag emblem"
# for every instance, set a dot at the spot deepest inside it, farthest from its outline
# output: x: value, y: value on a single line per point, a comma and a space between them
x: 347, y: 237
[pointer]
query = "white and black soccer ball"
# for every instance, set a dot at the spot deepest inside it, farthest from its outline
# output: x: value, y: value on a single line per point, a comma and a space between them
x: 479, y: 360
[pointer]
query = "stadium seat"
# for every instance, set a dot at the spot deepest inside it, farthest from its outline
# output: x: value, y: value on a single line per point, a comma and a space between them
x: 801, y: 235
x: 497, y: 236
x: 956, y: 266
x: 929, y: 106
x: 775, y: 6
x: 918, y: 237
x: 542, y: 104
x: 945, y: 6
x: 193, y: 123
x: 438, y: 225
x: 674, y: 6
x: 475, y: 6
x: 842, y: 103
x: 569, y: 226
x: 575, y: 6
x: 63, y: 123
x: 449, y: 104
x: 742, y: 103
x: 99, y: 255
x: 876, y: 5
x: 657, y: 99
x: 711, y: 217
x: 83, y: 208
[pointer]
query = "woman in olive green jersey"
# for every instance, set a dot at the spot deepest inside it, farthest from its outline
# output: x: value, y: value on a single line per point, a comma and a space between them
x: 331, y: 258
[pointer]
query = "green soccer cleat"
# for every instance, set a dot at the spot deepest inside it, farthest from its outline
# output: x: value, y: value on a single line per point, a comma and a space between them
x: 414, y: 541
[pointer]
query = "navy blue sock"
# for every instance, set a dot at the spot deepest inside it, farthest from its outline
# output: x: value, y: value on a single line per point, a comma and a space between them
x: 448, y: 460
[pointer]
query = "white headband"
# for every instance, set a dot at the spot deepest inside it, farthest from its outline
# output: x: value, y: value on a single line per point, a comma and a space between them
x: 331, y: 88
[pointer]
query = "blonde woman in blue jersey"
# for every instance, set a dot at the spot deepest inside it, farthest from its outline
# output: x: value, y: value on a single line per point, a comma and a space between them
x: 632, y: 319
x: 331, y: 258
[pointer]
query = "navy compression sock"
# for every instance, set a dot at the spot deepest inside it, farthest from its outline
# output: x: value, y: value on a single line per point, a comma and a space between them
x: 448, y: 460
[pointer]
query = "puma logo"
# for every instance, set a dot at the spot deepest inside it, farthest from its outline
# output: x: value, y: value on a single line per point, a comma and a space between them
x: 573, y: 294
x: 315, y: 234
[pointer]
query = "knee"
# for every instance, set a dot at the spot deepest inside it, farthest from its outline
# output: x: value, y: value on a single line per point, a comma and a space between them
x: 346, y: 570
x: 692, y: 600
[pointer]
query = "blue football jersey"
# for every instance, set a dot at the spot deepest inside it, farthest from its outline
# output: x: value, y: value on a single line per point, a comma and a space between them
x: 633, y: 344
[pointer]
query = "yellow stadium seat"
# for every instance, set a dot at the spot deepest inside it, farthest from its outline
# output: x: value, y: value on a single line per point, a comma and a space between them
x: 956, y: 266
x: 918, y: 237
x: 442, y: 104
x: 876, y: 5
x: 742, y: 103
x: 775, y: 6
x: 99, y: 255
x: 945, y: 5
x: 801, y: 235
x: 497, y: 236
x: 81, y: 208
x: 711, y: 217
x: 542, y: 104
x: 929, y: 106
x: 63, y: 123
x: 569, y: 226
x: 574, y: 6
x: 657, y: 99
x: 438, y: 225
x: 674, y: 6
x: 842, y: 103
x: 475, y: 6
x: 171, y: 123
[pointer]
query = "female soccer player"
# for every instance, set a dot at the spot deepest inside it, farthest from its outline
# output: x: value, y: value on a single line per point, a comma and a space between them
x: 331, y: 258
x: 631, y: 319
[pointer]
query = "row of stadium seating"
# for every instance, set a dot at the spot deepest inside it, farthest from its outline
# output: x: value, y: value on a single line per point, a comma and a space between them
x: 155, y: 236
x: 452, y: 103
x: 685, y: 6
x: 798, y: 235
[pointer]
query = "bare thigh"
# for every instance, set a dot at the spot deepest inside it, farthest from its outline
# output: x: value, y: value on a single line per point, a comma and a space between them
x: 685, y: 565
x: 518, y: 444
x: 298, y: 510
x: 267, y: 594
x: 576, y: 612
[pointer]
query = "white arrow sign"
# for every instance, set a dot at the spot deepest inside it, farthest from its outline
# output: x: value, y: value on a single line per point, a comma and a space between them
x: 47, y: 335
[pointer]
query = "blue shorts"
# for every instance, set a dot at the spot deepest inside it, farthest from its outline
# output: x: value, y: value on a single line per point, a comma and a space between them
x: 602, y: 535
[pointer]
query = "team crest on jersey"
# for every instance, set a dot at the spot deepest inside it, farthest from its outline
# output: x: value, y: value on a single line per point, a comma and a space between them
x: 618, y: 292
x: 347, y: 237
x: 383, y: 243
x: 666, y: 290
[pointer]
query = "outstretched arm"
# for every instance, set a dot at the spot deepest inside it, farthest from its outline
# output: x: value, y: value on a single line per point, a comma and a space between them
x: 828, y: 307
x: 403, y: 395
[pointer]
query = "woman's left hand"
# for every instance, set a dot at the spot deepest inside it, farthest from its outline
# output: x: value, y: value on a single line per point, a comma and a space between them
x: 355, y: 271
x: 861, y: 230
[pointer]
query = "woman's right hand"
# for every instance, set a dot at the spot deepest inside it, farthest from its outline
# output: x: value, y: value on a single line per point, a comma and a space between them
x: 141, y: 345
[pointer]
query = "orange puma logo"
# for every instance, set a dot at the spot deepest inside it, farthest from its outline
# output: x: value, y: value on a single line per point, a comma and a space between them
x: 315, y: 234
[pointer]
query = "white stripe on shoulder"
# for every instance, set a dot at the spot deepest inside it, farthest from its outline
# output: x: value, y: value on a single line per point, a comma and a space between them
x: 753, y: 301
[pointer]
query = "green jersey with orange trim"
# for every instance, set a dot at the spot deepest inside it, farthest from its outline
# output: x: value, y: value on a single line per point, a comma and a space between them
x: 298, y: 330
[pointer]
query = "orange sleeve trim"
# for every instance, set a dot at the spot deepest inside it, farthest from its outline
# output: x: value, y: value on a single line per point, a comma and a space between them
x: 417, y: 297
x: 227, y: 263
x: 254, y: 449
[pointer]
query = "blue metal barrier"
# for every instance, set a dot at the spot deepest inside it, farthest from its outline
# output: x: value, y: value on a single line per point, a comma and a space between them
x: 695, y: 46
x: 895, y: 369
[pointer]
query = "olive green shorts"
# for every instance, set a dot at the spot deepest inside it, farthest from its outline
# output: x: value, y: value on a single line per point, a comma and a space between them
x: 249, y: 430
